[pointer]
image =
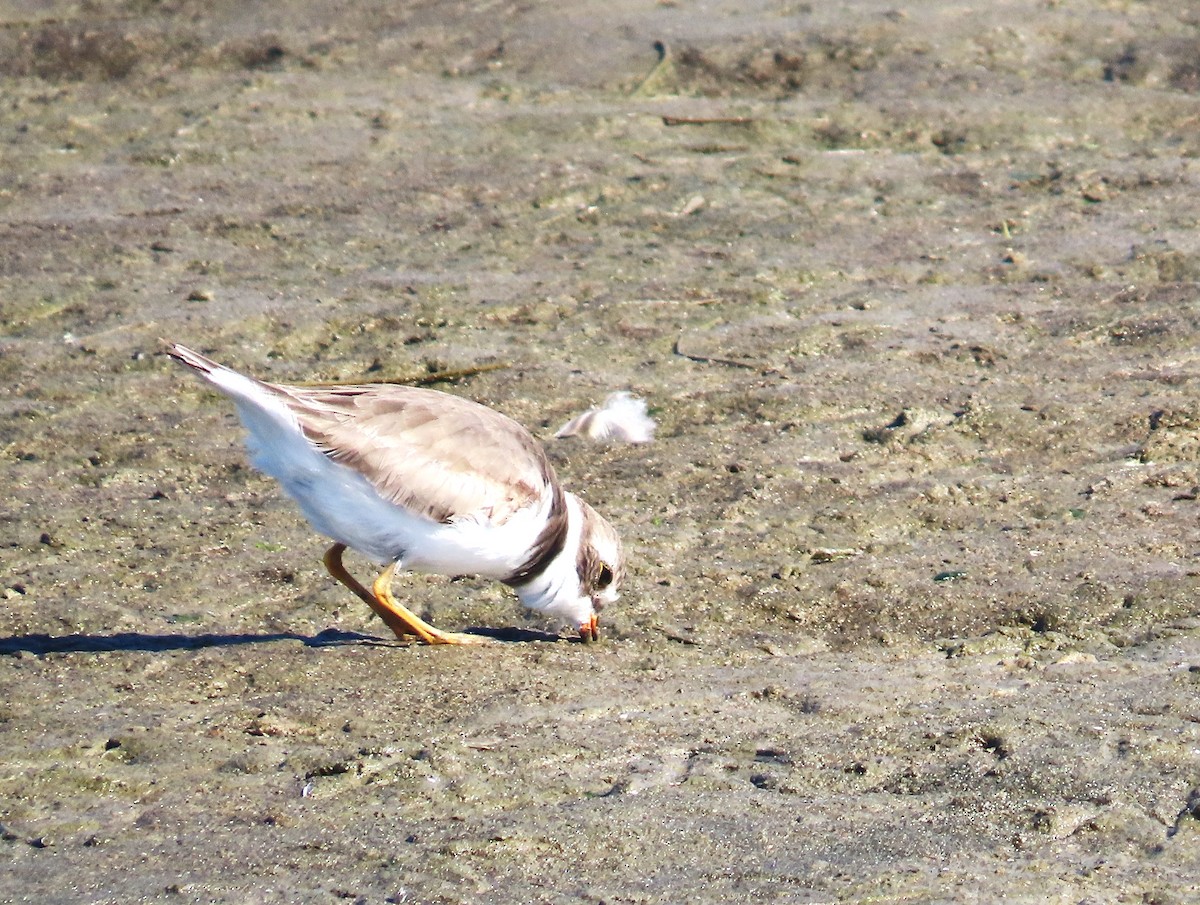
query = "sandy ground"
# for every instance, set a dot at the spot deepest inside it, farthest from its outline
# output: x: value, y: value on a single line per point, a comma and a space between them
x: 912, y: 291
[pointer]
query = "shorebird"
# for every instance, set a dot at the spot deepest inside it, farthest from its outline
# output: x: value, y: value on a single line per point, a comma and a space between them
x: 414, y: 479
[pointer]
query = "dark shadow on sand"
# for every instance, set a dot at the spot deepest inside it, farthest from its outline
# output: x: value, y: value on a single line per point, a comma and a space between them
x: 512, y: 635
x: 142, y: 641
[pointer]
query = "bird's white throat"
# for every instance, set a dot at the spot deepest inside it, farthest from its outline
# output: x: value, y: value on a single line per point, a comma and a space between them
x: 555, y: 589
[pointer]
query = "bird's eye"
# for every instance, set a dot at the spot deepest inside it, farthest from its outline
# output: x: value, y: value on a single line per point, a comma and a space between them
x: 604, y: 579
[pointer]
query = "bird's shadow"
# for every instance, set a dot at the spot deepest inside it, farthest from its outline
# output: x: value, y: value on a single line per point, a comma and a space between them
x: 40, y: 644
x: 514, y: 635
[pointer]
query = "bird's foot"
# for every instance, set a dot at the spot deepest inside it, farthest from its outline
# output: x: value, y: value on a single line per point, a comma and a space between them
x: 590, y: 630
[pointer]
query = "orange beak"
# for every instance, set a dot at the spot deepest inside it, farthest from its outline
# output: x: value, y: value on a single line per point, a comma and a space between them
x: 590, y: 630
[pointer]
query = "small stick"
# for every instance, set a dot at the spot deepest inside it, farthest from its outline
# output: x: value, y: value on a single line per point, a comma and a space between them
x: 712, y: 359
x: 423, y: 379
x: 707, y: 120
x: 453, y: 374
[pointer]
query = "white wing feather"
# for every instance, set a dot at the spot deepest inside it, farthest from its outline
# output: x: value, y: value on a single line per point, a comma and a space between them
x: 622, y: 417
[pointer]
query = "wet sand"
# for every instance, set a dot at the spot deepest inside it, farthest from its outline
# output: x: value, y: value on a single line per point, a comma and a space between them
x: 912, y: 608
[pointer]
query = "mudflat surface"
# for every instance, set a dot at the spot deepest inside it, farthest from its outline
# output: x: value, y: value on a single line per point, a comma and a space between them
x: 912, y: 292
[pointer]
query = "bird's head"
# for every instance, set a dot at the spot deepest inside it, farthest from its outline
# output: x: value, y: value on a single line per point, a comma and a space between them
x: 600, y: 567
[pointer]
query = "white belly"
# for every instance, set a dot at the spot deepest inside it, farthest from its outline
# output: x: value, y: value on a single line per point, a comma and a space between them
x: 341, y: 504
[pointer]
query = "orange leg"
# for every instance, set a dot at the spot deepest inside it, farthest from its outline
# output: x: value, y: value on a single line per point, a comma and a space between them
x: 397, y: 617
x: 590, y: 630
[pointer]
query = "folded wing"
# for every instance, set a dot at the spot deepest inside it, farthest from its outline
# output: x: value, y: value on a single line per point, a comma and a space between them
x: 434, y: 454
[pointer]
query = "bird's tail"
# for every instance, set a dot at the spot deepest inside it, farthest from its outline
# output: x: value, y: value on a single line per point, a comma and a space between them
x: 243, y: 389
x: 193, y: 360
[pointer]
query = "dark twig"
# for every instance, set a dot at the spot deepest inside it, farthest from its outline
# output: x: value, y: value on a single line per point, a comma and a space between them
x: 712, y: 359
x: 707, y: 120
x: 423, y: 379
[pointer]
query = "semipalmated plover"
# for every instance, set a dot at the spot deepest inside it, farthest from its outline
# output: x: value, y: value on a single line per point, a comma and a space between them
x: 417, y: 479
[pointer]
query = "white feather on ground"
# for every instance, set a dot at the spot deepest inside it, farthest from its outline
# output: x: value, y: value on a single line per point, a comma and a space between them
x: 622, y: 417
